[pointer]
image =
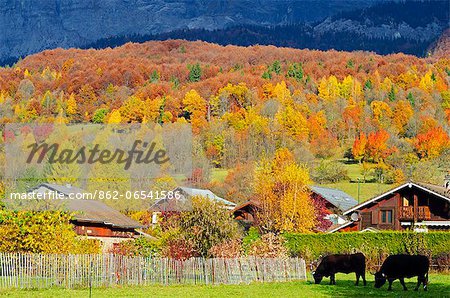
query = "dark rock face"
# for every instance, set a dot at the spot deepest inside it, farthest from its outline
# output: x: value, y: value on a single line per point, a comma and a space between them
x: 29, y: 26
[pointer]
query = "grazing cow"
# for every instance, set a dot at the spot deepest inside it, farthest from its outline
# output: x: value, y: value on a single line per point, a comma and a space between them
x: 401, y: 266
x: 332, y: 264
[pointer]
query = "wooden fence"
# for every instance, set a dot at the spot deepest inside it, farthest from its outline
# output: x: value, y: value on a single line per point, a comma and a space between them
x: 69, y: 271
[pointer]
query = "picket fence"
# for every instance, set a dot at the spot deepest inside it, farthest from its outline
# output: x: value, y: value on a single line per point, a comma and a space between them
x: 70, y: 271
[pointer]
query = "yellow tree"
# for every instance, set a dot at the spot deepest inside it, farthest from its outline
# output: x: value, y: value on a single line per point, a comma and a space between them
x: 359, y: 147
x: 346, y: 87
x: 324, y: 92
x: 282, y: 188
x: 333, y: 86
x: 381, y: 112
x: 386, y: 86
x: 196, y: 106
x: 427, y: 82
x: 71, y: 105
x: 402, y: 114
x: 293, y: 122
x: 133, y: 110
x: 115, y: 117
x: 282, y: 93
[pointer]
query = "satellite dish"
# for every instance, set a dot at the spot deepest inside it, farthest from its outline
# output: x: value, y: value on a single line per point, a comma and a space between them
x: 354, y: 216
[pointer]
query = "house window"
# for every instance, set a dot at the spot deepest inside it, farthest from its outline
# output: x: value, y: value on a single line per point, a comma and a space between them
x: 405, y: 202
x: 386, y: 216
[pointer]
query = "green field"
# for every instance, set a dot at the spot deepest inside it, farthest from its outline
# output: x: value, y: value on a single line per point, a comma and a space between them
x: 366, y: 190
x: 439, y: 286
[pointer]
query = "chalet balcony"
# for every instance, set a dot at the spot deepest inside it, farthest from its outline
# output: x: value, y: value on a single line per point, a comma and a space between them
x: 407, y: 213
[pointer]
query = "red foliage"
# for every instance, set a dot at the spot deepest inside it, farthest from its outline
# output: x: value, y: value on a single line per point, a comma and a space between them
x: 321, y: 212
x: 179, y: 249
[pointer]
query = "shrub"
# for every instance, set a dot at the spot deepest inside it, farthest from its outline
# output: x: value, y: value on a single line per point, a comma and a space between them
x: 252, y: 236
x: 141, y: 246
x: 329, y: 172
x: 269, y: 246
x: 208, y: 224
x: 442, y: 261
x: 227, y: 249
x: 179, y: 249
x: 41, y: 232
x: 375, y: 246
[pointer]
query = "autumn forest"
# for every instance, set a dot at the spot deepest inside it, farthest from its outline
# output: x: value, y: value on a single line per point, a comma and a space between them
x: 260, y: 115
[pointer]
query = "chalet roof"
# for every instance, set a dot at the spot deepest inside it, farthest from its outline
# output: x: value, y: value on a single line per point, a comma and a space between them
x: 441, y: 190
x: 206, y: 193
x: 250, y: 204
x: 436, y: 190
x: 182, y: 205
x: 90, y: 211
x: 337, y: 198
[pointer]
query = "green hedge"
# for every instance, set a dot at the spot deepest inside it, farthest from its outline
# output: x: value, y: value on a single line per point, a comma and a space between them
x: 375, y: 246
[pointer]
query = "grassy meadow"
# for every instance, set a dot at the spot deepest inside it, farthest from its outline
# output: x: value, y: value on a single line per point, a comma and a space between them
x: 439, y: 286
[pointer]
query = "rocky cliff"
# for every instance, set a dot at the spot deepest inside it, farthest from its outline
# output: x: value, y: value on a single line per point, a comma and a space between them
x: 29, y: 26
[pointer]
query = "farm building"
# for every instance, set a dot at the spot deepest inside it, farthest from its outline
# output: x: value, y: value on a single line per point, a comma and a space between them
x: 93, y: 218
x: 412, y: 205
x: 336, y: 202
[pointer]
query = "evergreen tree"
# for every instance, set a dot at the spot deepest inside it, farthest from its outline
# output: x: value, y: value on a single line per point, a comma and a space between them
x: 391, y: 94
x: 195, y: 73
x: 295, y: 71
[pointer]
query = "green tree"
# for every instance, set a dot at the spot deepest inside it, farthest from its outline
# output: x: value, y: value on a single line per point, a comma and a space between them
x: 295, y: 71
x: 99, y: 115
x: 154, y: 77
x: 391, y: 94
x: 276, y: 67
x: 195, y: 73
x: 411, y: 99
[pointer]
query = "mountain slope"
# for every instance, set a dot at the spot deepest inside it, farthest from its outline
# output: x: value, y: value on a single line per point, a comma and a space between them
x: 29, y: 26
x: 389, y: 27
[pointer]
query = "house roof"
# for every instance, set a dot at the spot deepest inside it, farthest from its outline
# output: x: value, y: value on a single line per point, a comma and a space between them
x: 167, y: 204
x: 206, y: 193
x: 91, y: 211
x: 337, y: 198
x: 438, y: 191
x: 250, y: 204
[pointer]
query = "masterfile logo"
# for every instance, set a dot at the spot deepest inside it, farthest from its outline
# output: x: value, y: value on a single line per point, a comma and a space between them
x: 82, y: 153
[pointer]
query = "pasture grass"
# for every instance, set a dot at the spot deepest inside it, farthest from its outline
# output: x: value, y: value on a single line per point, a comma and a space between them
x: 439, y: 286
x: 367, y: 190
x: 218, y: 175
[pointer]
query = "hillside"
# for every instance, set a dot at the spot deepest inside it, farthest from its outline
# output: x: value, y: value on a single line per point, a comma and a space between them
x: 442, y: 46
x: 342, y: 115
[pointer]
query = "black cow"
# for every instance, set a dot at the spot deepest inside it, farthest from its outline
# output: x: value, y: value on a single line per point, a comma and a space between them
x: 401, y: 266
x: 332, y: 264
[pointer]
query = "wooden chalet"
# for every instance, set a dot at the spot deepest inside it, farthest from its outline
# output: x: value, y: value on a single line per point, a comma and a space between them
x: 93, y: 218
x: 246, y: 212
x: 410, y: 206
